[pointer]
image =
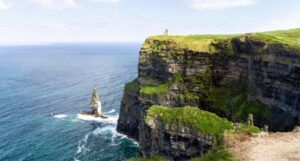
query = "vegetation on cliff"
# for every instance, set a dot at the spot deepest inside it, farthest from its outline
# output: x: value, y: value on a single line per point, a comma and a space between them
x: 215, y: 155
x: 154, y: 89
x: 132, y: 87
x: 203, y: 121
x: 156, y: 158
x: 209, y: 43
x: 286, y: 37
x: 232, y: 100
x: 199, y: 43
x: 229, y: 100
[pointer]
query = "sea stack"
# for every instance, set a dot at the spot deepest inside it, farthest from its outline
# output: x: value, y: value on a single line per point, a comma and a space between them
x: 95, y: 106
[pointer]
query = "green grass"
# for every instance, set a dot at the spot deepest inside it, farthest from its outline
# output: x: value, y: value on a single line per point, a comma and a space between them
x: 200, y: 43
x: 204, y: 122
x: 247, y: 128
x: 177, y: 78
x: 156, y: 158
x: 154, y: 89
x: 205, y: 43
x: 219, y: 154
x: 286, y: 37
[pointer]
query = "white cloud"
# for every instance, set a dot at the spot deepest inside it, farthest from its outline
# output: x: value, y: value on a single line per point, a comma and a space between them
x: 219, y: 4
x: 57, y: 4
x: 106, y: 1
x: 4, y: 6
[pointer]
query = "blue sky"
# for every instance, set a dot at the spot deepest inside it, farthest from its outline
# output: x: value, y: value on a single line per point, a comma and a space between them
x: 42, y: 21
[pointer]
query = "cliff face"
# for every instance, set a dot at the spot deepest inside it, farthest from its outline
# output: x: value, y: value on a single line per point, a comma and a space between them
x: 231, y: 76
x: 271, y: 74
x: 172, y: 142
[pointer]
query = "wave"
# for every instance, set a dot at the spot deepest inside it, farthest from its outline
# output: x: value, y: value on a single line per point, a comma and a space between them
x: 60, y: 116
x: 107, y: 132
x: 111, y: 133
x: 111, y: 119
x: 111, y: 111
x: 108, y: 129
x: 102, y: 130
x: 81, y: 148
x: 89, y: 118
x: 66, y: 117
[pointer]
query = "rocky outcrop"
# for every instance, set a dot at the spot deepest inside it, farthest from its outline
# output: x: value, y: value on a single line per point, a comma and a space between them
x: 172, y: 141
x: 230, y: 76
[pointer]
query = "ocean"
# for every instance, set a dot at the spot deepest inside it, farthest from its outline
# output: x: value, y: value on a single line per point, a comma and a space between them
x: 44, y: 87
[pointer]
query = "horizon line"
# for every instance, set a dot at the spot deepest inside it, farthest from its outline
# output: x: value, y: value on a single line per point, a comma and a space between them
x: 63, y: 42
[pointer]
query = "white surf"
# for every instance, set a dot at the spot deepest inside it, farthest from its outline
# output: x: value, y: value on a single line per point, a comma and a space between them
x: 60, y: 116
x: 111, y: 111
x: 109, y: 119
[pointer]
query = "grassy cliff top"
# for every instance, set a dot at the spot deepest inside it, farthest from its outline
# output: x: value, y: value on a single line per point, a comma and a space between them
x: 287, y: 37
x: 202, y: 43
x: 203, y: 121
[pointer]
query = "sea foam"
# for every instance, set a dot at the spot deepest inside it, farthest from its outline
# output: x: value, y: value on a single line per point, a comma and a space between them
x: 89, y: 118
x: 110, y: 119
x: 60, y: 116
x: 82, y: 144
x: 111, y: 111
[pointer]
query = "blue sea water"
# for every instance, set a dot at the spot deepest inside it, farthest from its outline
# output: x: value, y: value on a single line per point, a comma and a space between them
x: 40, y: 80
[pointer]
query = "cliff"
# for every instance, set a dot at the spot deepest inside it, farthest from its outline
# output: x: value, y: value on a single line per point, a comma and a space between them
x: 229, y: 75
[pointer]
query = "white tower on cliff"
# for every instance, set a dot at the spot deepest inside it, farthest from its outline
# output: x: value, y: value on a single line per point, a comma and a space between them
x: 166, y: 32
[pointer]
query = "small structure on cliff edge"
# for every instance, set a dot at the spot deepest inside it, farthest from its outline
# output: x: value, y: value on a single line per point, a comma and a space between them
x: 250, y: 119
x: 166, y: 32
x: 95, y: 106
x: 266, y: 128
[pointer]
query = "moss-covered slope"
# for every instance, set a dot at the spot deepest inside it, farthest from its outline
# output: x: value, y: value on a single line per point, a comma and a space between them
x: 202, y: 121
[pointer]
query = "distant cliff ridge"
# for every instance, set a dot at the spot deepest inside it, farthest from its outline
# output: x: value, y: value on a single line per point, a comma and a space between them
x: 229, y: 75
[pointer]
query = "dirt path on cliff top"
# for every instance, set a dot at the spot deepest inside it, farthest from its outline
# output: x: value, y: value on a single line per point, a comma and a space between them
x: 267, y: 147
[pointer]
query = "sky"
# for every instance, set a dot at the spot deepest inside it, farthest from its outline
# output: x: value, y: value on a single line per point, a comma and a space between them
x: 49, y: 21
